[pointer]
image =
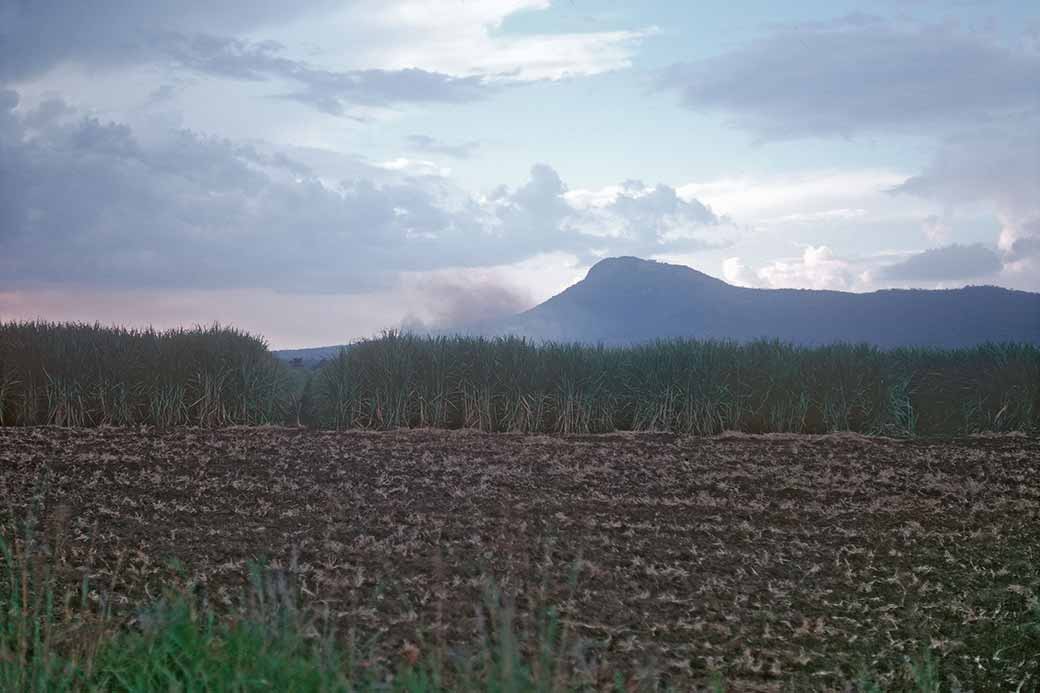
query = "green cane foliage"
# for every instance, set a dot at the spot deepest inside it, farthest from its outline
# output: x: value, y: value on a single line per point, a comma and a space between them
x: 75, y: 374
x: 84, y: 375
x: 682, y: 386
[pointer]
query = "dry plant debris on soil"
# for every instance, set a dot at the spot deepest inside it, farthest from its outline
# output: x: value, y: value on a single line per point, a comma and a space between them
x: 769, y: 559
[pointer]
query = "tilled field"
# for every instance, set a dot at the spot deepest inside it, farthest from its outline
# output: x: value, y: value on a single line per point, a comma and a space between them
x: 775, y: 560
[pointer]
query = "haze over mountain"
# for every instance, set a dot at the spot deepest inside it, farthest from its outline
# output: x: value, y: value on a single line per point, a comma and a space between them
x: 626, y: 300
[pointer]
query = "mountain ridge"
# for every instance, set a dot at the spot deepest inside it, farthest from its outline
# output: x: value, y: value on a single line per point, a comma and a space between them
x: 628, y: 300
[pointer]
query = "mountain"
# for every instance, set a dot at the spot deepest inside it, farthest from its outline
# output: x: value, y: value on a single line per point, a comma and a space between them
x: 626, y: 300
x: 309, y: 357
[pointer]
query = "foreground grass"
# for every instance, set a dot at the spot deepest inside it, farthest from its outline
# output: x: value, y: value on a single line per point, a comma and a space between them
x: 271, y: 644
x: 275, y: 641
x: 178, y: 647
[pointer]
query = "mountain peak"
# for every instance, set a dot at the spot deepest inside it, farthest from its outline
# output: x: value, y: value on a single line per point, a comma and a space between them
x: 609, y: 264
x: 628, y: 267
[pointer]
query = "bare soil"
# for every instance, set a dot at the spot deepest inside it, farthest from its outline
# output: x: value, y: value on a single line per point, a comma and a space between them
x: 775, y: 560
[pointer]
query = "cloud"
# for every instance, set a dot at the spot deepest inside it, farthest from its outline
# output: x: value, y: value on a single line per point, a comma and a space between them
x: 815, y: 198
x: 645, y: 218
x: 978, y: 98
x: 468, y: 38
x: 817, y: 268
x: 861, y: 74
x: 1000, y: 165
x: 399, y: 51
x: 431, y: 145
x: 735, y: 272
x: 36, y: 36
x: 556, y: 56
x: 936, y: 228
x: 1022, y: 241
x: 948, y: 262
x: 328, y: 91
x: 826, y: 216
x: 89, y: 203
x: 998, y: 168
x: 185, y: 39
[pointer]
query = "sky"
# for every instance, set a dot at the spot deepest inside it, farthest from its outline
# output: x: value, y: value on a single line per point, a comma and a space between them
x: 316, y: 171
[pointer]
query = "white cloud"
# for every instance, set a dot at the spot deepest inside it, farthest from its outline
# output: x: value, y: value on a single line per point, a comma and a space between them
x: 817, y: 268
x: 819, y: 197
x: 420, y: 167
x: 735, y: 272
x: 466, y: 38
x: 936, y: 228
x: 826, y: 215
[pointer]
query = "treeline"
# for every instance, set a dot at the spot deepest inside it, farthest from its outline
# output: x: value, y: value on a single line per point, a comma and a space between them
x: 75, y: 374
x: 87, y: 375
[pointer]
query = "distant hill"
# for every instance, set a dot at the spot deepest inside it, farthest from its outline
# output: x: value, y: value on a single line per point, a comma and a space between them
x: 307, y: 358
x: 626, y: 300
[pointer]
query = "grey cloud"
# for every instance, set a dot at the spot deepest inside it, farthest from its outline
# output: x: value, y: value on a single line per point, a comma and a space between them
x: 47, y: 112
x: 978, y: 96
x: 948, y: 262
x: 90, y: 205
x: 649, y: 209
x: 226, y: 56
x: 425, y: 143
x: 328, y: 91
x: 37, y: 35
x: 162, y: 94
x: 331, y: 92
x: 643, y: 220
x: 999, y: 166
x: 860, y: 74
x: 1026, y: 243
x: 84, y: 202
x: 992, y: 164
x: 532, y: 216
